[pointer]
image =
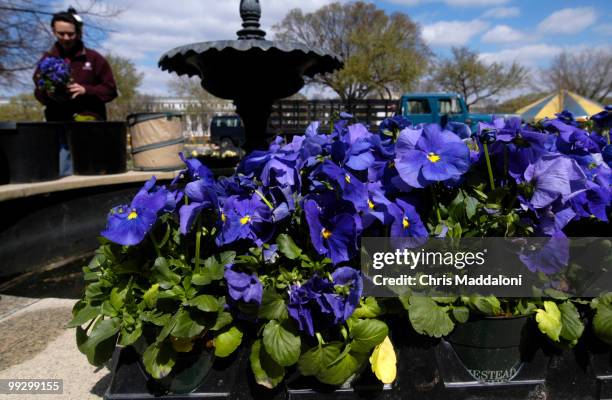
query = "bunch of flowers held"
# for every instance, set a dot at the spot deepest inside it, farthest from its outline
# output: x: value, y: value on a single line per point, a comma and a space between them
x: 268, y: 258
x: 53, y: 74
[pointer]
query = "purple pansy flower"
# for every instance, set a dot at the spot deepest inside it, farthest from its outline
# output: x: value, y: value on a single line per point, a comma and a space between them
x: 395, y: 123
x: 128, y: 225
x: 242, y: 286
x: 604, y: 119
x: 554, y: 177
x: 201, y: 197
x: 406, y: 221
x: 247, y: 218
x: 333, y: 231
x: 316, y: 300
x: 436, y: 156
x: 551, y: 258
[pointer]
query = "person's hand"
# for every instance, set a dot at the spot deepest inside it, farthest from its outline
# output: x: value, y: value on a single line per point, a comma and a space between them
x: 76, y: 90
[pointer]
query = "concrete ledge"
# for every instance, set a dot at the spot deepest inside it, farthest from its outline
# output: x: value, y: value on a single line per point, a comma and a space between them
x: 15, y: 191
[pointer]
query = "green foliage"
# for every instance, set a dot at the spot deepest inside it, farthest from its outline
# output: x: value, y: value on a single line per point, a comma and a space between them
x: 267, y: 372
x: 23, y: 107
x: 227, y: 342
x: 282, y: 345
x: 128, y: 79
x: 380, y: 52
x: 602, y: 320
x: 428, y: 318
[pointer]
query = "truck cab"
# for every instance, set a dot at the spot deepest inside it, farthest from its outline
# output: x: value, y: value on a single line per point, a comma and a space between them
x: 438, y: 108
x: 227, y: 130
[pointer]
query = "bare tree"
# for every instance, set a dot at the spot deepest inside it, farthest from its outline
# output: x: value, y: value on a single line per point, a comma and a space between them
x: 380, y: 52
x: 25, y: 33
x: 476, y: 80
x: 587, y: 73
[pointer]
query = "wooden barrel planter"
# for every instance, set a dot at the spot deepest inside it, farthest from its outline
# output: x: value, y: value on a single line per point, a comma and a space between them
x: 98, y: 148
x: 29, y: 151
x: 156, y: 140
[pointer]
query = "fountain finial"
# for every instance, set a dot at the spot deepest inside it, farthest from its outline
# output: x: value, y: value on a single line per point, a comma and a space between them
x: 250, y: 12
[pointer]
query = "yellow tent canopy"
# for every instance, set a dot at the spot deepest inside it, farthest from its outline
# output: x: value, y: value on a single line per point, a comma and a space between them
x: 557, y: 102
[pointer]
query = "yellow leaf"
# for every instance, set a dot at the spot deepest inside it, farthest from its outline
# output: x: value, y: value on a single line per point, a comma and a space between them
x: 383, y: 361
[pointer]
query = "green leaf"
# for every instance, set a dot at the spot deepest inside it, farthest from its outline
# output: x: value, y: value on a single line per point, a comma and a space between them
x: 163, y: 275
x: 205, y: 302
x: 470, y: 206
x: 227, y: 342
x: 272, y: 306
x: 602, y: 321
x: 368, y: 308
x: 213, y: 268
x: 461, y: 314
x: 428, y: 318
x: 95, y: 291
x: 155, y: 317
x: 287, y: 246
x: 158, y: 359
x: 83, y: 313
x: 168, y: 327
x: 128, y: 337
x: 266, y: 371
x: 223, y: 318
x: 315, y: 359
x: 150, y: 296
x: 342, y: 369
x: 116, y: 299
x: 571, y: 324
x: 108, y: 310
x: 282, y: 345
x: 186, y: 325
x: 488, y: 305
x: 367, y: 333
x: 549, y: 320
x: 98, y: 346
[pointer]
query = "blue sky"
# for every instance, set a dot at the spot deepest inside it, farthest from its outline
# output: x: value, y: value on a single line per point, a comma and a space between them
x: 531, y: 32
x: 501, y: 28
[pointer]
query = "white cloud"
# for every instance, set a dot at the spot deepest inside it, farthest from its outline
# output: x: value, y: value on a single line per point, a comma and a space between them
x: 452, y: 33
x: 568, y: 20
x: 475, y: 3
x: 502, y: 34
x: 530, y: 55
x: 147, y: 29
x: 502, y: 12
x: 455, y: 3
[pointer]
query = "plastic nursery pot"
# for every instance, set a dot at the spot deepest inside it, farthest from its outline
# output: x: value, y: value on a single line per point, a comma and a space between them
x: 29, y: 151
x: 188, y: 373
x: 98, y: 148
x: 490, y: 348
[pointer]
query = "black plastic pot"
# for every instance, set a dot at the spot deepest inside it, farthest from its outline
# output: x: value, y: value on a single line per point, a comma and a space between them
x: 29, y: 151
x: 98, y: 148
x: 491, y: 349
x: 231, y: 378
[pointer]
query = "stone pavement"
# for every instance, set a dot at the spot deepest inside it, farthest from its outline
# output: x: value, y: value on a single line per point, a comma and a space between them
x: 35, y: 344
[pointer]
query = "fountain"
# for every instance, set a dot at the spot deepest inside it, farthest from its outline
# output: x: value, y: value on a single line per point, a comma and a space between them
x: 251, y: 71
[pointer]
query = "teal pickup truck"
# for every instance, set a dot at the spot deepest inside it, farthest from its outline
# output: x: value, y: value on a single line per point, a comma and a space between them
x: 439, y: 108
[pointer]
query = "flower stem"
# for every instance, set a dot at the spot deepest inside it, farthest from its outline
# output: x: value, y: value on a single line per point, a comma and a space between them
x: 155, y: 244
x: 264, y: 199
x: 489, y: 169
x: 435, y: 201
x: 197, y: 248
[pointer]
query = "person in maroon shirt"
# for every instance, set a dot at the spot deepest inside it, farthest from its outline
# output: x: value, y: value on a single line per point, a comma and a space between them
x: 92, y: 82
